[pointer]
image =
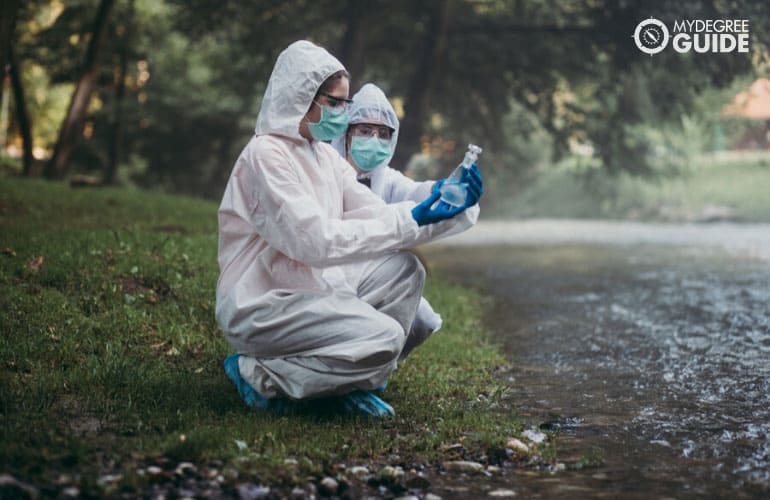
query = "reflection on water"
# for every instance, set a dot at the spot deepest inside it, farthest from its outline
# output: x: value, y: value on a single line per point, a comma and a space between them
x: 656, y: 360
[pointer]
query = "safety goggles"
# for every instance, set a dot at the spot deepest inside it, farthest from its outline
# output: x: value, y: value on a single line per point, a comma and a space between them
x: 334, y: 102
x: 364, y: 130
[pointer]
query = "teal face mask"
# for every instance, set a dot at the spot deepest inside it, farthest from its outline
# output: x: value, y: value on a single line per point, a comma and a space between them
x: 331, y: 125
x: 369, y: 153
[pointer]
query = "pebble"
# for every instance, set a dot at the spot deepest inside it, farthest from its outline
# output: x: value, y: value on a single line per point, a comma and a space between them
x: 359, y: 470
x: 517, y: 445
x: 70, y: 492
x: 391, y: 474
x: 432, y: 496
x: 494, y: 469
x: 250, y: 491
x: 502, y: 493
x: 329, y: 486
x: 185, y: 469
x: 154, y: 470
x: 109, y: 479
x: 463, y: 466
x: 534, y: 436
x: 408, y: 497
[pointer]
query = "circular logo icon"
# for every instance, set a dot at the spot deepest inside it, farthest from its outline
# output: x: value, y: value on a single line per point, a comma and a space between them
x: 651, y: 36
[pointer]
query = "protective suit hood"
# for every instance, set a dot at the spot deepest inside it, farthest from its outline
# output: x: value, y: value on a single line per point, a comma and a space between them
x: 370, y: 105
x: 298, y: 73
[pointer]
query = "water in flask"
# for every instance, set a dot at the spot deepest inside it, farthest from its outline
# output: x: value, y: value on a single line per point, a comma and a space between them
x: 453, y: 191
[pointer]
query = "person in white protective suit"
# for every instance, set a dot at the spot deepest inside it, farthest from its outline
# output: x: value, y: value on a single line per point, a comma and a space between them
x: 373, y: 134
x: 316, y: 294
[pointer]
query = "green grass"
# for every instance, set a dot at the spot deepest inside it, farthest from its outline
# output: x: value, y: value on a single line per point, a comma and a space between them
x: 734, y: 185
x: 109, y: 347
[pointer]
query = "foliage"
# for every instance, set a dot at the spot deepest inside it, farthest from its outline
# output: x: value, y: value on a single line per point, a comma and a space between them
x: 566, y: 71
x: 713, y: 186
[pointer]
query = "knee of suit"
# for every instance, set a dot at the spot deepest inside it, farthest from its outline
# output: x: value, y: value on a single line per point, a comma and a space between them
x: 412, y: 267
x: 396, y: 340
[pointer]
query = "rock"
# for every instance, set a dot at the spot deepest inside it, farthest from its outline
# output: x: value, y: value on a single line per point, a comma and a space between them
x: 517, y: 446
x: 390, y: 474
x: 494, y: 469
x: 298, y: 493
x: 10, y: 487
x: 70, y: 492
x: 250, y: 491
x: 502, y: 493
x: 418, y: 483
x: 463, y: 466
x: 328, y: 486
x: 559, y: 467
x: 534, y: 436
x: 431, y: 496
x: 185, y: 469
x: 290, y: 461
x: 408, y: 497
x: 154, y: 470
x: 359, y: 471
x: 108, y: 480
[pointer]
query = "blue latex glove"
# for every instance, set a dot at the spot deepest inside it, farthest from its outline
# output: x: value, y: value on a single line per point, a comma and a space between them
x: 475, y: 184
x: 427, y: 213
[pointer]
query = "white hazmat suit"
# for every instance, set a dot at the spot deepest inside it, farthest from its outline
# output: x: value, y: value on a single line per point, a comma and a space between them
x: 314, y: 292
x: 370, y: 105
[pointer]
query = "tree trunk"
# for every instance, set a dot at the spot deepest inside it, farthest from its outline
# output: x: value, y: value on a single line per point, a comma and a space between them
x: 72, y: 125
x: 417, y: 101
x: 22, y: 115
x: 9, y: 10
x: 353, y: 43
x: 217, y: 180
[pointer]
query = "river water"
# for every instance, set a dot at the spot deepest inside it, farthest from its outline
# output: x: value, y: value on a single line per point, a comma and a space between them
x: 647, y: 347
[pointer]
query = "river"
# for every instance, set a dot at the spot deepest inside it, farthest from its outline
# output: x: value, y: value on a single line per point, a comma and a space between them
x: 646, y: 347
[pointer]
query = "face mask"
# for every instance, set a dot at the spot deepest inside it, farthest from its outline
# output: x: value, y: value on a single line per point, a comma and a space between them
x: 369, y: 153
x: 331, y: 125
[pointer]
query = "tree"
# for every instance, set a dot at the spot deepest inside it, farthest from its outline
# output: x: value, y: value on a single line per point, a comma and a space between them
x: 72, y: 125
x: 22, y: 115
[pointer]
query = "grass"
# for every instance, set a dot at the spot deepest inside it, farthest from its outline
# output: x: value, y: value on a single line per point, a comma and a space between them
x: 109, y: 348
x: 728, y: 186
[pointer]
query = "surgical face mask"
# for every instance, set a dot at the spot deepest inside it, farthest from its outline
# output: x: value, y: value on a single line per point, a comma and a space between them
x: 333, y: 123
x: 369, y: 153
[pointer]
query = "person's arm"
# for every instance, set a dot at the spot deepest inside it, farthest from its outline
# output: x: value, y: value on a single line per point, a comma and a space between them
x: 288, y: 217
x: 398, y: 187
x: 361, y: 202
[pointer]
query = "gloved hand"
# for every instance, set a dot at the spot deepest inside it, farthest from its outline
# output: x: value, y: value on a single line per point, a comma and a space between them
x: 426, y: 213
x: 475, y: 184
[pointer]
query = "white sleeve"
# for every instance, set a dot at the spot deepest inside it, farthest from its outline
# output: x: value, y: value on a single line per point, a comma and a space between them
x: 287, y: 215
x: 398, y: 187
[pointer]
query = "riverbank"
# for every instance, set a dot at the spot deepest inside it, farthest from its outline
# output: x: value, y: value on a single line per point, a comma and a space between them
x: 728, y: 186
x: 111, y: 379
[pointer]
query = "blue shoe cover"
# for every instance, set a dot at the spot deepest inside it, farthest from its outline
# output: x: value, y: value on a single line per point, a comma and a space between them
x: 366, y: 403
x: 249, y: 395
